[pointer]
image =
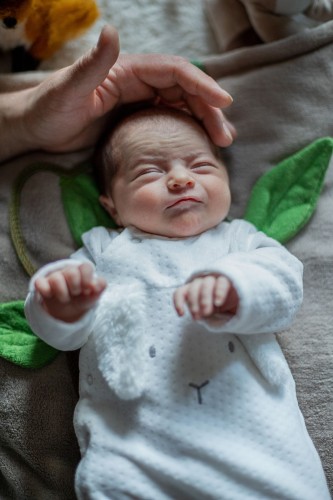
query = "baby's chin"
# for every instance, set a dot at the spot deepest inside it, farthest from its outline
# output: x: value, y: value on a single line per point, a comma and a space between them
x: 185, y: 230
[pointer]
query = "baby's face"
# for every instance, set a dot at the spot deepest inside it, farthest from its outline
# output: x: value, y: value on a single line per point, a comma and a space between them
x: 169, y: 181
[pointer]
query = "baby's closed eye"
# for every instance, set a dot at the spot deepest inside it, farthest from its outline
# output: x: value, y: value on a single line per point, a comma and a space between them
x: 203, y: 167
x: 147, y: 171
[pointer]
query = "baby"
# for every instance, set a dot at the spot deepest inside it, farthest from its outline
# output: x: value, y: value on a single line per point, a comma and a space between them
x: 184, y: 390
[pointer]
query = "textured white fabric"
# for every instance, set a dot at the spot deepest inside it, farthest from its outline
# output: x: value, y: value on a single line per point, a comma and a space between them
x: 214, y: 415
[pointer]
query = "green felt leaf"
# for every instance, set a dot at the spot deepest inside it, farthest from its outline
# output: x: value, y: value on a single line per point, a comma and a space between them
x: 82, y: 208
x: 284, y: 199
x: 18, y: 343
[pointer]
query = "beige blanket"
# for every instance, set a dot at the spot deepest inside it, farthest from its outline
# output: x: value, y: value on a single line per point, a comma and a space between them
x: 283, y: 100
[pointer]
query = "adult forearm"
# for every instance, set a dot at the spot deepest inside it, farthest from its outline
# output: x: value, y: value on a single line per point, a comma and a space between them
x: 15, y: 136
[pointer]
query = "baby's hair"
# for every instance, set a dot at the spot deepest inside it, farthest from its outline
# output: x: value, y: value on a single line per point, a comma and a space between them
x: 105, y: 163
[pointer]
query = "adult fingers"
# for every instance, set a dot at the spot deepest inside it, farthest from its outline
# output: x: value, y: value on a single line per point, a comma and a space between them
x: 213, y: 120
x: 220, y: 130
x: 164, y: 72
x: 88, y: 72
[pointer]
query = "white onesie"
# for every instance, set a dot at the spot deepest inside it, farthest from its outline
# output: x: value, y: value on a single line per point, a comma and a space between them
x: 173, y: 409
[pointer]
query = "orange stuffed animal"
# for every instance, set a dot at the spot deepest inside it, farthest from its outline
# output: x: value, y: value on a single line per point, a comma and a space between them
x: 39, y: 28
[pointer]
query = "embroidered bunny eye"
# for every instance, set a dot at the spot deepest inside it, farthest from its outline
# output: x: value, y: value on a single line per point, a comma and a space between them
x: 231, y: 347
x: 152, y: 351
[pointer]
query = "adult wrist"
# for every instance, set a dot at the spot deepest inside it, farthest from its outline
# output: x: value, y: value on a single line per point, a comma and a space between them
x: 16, y: 136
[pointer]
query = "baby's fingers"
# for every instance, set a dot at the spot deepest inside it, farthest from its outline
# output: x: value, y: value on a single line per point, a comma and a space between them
x: 198, y: 296
x: 206, y: 297
x: 72, y: 277
x: 179, y: 299
x: 42, y: 286
x: 221, y: 290
x: 58, y: 286
x: 193, y: 297
x: 90, y: 284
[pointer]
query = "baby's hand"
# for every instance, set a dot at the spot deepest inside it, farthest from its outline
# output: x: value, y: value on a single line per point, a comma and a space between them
x: 205, y: 296
x: 68, y: 293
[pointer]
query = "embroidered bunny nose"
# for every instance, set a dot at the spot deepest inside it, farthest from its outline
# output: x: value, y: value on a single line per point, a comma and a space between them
x: 9, y: 22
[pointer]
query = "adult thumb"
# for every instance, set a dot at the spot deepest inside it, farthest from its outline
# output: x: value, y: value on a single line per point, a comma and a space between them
x: 92, y: 68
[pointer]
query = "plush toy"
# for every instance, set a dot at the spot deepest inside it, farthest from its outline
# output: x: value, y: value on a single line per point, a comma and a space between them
x: 238, y: 23
x: 36, y: 29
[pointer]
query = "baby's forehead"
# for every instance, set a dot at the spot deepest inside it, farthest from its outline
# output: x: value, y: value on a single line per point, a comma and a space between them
x: 158, y: 122
x: 158, y: 116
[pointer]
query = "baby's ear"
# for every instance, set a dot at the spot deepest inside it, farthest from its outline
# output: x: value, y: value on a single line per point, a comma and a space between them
x: 108, y: 205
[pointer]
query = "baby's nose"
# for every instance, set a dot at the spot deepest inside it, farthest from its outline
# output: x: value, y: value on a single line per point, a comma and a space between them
x: 180, y: 182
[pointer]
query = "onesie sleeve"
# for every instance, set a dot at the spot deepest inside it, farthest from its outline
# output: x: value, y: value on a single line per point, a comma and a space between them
x: 59, y: 334
x: 268, y: 280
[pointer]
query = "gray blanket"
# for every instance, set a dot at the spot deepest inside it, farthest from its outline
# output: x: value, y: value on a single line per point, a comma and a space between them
x: 283, y: 100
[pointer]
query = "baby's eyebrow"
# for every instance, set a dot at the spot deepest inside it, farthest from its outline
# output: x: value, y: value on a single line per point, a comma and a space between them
x: 137, y: 162
x: 159, y: 159
x: 195, y: 155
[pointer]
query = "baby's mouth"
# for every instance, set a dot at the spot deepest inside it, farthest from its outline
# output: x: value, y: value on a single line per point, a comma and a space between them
x: 184, y: 201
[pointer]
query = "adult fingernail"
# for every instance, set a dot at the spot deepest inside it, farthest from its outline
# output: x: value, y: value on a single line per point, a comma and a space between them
x: 227, y: 131
x: 228, y: 96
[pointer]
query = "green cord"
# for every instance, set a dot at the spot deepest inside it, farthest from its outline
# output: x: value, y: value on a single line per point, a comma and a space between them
x: 15, y: 205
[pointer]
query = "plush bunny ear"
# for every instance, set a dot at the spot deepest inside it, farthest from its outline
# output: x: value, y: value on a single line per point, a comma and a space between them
x: 119, y: 346
x: 284, y: 199
x: 266, y: 355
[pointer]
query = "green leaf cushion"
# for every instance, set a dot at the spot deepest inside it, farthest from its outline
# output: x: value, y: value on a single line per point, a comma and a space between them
x: 283, y: 200
x: 18, y: 343
x: 82, y: 208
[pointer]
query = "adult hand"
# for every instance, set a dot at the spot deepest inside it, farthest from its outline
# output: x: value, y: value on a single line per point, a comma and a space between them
x: 66, y: 111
